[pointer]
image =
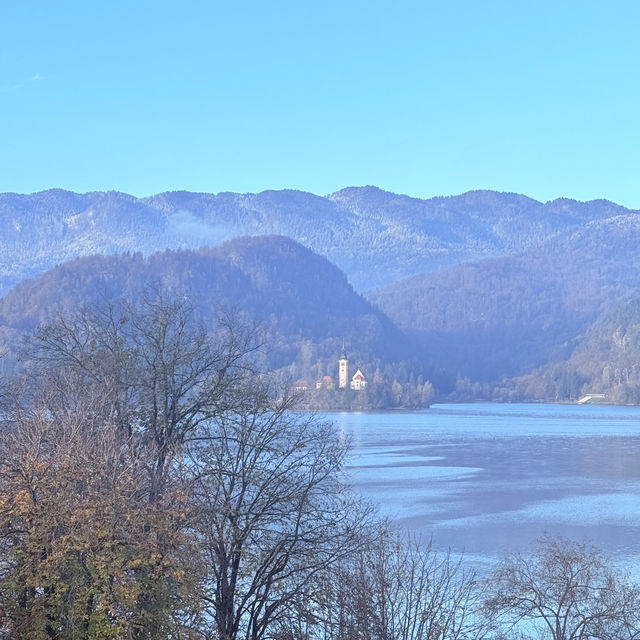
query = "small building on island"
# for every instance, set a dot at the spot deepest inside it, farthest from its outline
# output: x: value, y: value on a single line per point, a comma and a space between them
x: 325, y: 383
x: 358, y: 382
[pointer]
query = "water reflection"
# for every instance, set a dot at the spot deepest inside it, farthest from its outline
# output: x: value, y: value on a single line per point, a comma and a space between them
x: 489, y: 479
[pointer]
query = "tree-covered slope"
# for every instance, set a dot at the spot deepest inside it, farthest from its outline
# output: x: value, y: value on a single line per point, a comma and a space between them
x: 605, y: 360
x: 505, y: 317
x: 304, y: 305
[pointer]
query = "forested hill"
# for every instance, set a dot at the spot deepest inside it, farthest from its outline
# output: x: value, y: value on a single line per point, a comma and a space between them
x: 375, y: 237
x: 303, y: 304
x: 506, y: 317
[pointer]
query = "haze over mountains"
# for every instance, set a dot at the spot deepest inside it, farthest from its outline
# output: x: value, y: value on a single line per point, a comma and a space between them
x: 375, y: 237
x: 488, y: 294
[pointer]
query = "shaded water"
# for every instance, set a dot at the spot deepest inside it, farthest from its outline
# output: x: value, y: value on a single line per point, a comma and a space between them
x: 488, y: 479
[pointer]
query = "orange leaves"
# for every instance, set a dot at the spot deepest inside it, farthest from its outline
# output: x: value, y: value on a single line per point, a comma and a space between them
x: 84, y: 553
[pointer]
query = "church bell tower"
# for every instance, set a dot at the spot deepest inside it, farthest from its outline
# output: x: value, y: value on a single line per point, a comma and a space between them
x: 343, y: 369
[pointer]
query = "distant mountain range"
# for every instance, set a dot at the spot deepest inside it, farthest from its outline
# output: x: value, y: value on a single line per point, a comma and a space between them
x: 488, y: 295
x: 374, y: 236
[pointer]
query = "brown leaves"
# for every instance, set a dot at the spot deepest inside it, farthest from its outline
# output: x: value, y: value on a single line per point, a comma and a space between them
x: 83, y: 548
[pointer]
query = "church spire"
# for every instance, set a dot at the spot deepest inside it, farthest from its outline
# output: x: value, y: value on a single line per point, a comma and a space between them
x: 343, y: 368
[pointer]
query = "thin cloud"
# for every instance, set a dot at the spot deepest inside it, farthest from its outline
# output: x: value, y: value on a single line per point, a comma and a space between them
x: 27, y: 82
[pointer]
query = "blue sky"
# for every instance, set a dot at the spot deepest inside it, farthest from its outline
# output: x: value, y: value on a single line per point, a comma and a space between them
x: 424, y: 98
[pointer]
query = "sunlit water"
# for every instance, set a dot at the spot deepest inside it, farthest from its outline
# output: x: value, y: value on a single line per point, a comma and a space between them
x: 489, y: 479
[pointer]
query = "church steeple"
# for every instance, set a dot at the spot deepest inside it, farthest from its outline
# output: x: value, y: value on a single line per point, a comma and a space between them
x: 343, y: 369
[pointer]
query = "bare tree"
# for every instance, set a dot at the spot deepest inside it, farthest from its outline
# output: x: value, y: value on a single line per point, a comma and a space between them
x: 566, y: 591
x: 397, y: 588
x: 161, y: 373
x: 273, y: 511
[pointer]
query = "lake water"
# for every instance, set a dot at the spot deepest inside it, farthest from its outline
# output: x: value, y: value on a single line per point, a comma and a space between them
x: 489, y: 479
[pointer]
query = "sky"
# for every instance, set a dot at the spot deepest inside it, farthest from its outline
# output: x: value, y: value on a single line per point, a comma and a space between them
x: 424, y: 98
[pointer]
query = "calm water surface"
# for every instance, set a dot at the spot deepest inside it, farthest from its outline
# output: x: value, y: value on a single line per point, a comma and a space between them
x: 488, y: 479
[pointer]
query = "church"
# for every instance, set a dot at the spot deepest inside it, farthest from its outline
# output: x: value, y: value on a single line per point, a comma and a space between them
x: 358, y: 381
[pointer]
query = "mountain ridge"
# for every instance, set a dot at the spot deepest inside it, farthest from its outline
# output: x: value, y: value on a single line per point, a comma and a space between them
x: 376, y: 237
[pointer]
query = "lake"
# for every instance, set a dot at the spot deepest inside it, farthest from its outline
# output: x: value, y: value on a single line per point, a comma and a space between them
x: 488, y: 479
